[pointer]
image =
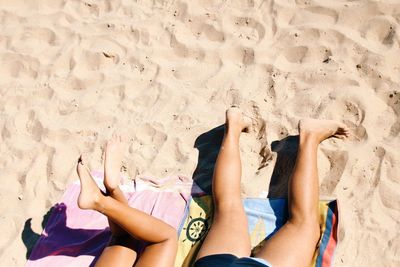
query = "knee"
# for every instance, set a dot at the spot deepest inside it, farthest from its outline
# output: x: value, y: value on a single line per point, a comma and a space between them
x: 171, y: 242
x: 171, y: 235
x: 315, y: 231
x: 308, y: 227
x: 305, y: 219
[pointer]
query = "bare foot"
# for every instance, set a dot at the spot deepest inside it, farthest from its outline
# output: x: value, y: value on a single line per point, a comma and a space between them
x: 235, y: 120
x: 323, y: 129
x: 90, y: 194
x: 114, y: 153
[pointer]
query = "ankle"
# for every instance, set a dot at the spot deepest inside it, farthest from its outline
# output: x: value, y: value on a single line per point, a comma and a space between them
x: 309, y: 138
x: 98, y: 202
x: 114, y: 192
x: 231, y: 139
x: 233, y: 130
x: 110, y: 190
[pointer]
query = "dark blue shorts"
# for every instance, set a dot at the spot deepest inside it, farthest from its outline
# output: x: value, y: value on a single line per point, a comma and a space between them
x: 229, y: 260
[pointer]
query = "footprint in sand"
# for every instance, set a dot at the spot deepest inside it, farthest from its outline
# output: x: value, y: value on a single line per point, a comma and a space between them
x: 240, y: 55
x: 200, y: 29
x: 393, y: 249
x: 295, y: 54
x: 337, y: 163
x: 259, y: 127
x: 91, y: 8
x: 247, y: 29
x: 100, y: 52
x: 354, y: 117
x: 392, y: 98
x: 150, y: 141
x: 212, y: 33
x: 388, y: 185
x: 27, y: 122
x: 351, y: 111
x: 182, y: 50
x: 198, y: 25
x: 379, y: 30
x: 18, y: 66
x: 34, y: 41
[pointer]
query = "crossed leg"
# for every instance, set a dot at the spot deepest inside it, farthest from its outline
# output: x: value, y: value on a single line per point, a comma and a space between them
x: 122, y: 249
x: 228, y: 233
x: 294, y: 244
x: 127, y: 224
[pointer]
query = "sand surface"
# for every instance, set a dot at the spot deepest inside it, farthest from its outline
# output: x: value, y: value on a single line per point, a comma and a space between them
x: 72, y: 72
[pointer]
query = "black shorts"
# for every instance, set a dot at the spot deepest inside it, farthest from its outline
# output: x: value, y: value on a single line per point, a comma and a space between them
x: 229, y: 260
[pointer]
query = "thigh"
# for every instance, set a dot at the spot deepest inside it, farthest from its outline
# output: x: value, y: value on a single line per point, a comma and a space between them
x: 292, y: 245
x: 228, y: 233
x: 161, y: 254
x: 121, y: 252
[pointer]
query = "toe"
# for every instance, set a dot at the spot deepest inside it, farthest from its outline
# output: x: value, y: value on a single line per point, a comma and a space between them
x: 339, y: 136
x: 83, y: 159
x: 80, y: 159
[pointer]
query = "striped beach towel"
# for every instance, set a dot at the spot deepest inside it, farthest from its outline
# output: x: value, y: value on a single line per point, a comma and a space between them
x: 265, y: 217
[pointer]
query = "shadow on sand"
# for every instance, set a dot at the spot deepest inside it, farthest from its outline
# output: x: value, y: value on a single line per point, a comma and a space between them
x: 29, y: 237
x: 209, y: 144
x: 93, y: 239
x: 286, y: 150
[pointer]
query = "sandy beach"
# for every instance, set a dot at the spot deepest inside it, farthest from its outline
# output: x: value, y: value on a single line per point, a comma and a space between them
x: 73, y: 72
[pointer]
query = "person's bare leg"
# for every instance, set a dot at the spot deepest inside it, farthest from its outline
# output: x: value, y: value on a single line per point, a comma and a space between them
x: 163, y: 240
x: 228, y: 232
x: 121, y: 250
x: 114, y: 152
x: 294, y: 244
